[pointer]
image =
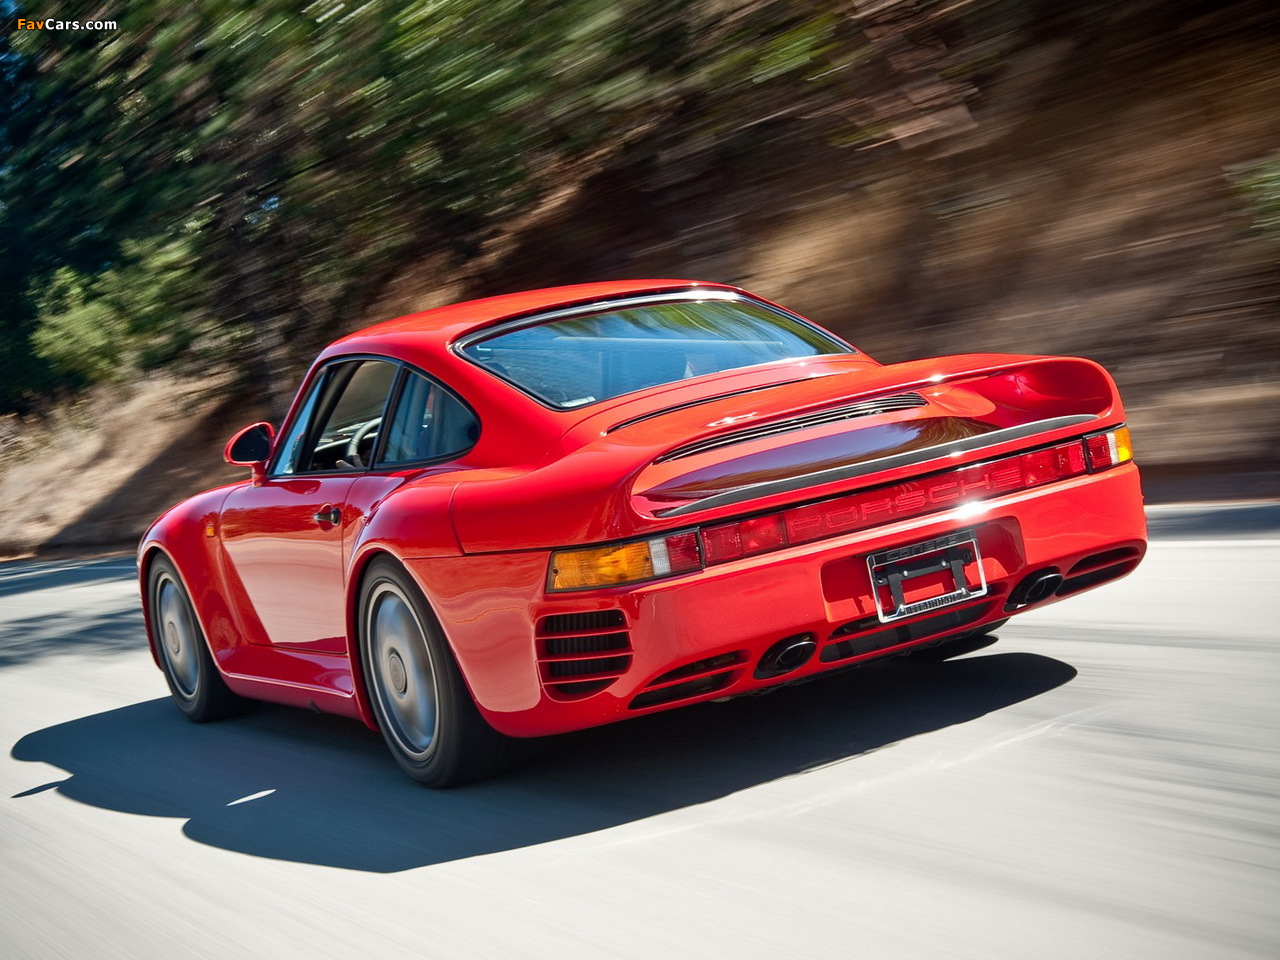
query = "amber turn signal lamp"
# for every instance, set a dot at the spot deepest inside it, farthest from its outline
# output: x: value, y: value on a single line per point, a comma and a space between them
x: 619, y: 563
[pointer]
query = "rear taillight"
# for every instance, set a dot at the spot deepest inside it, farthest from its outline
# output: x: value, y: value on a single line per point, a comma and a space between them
x: 857, y: 511
x: 690, y: 550
x: 1109, y: 449
x: 619, y: 563
x: 742, y: 538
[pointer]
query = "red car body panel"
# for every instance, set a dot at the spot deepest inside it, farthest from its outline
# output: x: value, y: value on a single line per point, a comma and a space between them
x: 276, y: 589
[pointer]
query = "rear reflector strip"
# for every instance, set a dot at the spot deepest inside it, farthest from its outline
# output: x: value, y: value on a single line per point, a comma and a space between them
x: 868, y: 508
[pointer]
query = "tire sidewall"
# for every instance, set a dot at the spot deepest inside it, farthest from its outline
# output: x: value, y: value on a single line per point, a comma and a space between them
x: 442, y: 758
x: 195, y: 705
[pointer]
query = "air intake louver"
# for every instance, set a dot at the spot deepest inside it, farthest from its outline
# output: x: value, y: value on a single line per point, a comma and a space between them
x: 863, y: 408
x: 569, y: 652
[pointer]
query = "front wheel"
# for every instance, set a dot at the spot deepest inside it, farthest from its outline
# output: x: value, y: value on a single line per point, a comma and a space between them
x: 194, y: 681
x: 422, y: 704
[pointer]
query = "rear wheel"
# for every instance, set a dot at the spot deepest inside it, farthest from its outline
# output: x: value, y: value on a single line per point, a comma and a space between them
x: 421, y: 702
x: 194, y: 681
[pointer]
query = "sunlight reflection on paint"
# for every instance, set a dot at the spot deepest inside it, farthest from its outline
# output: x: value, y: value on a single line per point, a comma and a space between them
x: 967, y: 510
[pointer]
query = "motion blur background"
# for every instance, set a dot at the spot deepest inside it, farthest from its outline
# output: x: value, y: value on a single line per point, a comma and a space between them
x: 193, y: 202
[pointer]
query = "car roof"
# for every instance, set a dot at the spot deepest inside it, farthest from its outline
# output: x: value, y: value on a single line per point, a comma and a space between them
x: 431, y: 331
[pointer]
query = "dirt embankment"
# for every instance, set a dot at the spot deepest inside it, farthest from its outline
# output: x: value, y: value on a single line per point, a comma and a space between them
x: 1088, y: 210
x: 1091, y: 210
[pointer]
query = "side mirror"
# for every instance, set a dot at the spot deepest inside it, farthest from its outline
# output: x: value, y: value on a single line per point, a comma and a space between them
x: 251, y: 447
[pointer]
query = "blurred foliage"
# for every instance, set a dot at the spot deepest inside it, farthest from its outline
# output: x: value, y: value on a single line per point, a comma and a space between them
x: 142, y: 312
x: 1260, y: 184
x: 234, y: 179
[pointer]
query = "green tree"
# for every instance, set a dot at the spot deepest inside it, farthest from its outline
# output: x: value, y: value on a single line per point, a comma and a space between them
x: 236, y: 179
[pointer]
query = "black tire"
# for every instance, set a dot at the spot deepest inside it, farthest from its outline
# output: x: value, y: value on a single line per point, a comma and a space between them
x: 954, y: 646
x: 422, y: 704
x: 193, y: 679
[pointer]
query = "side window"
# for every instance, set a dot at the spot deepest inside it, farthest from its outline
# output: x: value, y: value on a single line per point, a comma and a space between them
x: 429, y: 423
x: 345, y: 441
x: 291, y: 446
x: 340, y: 422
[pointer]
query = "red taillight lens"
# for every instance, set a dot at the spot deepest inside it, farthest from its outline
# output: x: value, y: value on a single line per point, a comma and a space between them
x: 856, y: 511
x: 818, y: 520
x: 682, y: 552
x: 721, y: 543
x: 743, y: 538
x: 1056, y: 463
x: 1109, y: 449
x: 762, y: 533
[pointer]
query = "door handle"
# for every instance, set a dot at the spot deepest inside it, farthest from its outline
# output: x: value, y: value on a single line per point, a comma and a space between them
x: 328, y: 514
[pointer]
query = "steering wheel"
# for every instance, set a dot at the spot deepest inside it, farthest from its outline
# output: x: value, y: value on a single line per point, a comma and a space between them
x: 362, y: 433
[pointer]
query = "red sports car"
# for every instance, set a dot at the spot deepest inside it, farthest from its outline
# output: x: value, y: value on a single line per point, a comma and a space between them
x: 541, y: 512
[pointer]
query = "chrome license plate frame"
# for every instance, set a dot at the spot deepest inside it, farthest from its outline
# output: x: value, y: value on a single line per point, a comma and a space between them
x: 950, y: 554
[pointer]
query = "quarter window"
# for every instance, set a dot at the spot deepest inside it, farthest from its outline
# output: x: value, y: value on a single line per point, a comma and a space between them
x: 429, y: 423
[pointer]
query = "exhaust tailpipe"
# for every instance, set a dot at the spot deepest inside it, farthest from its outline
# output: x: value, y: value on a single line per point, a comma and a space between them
x: 1034, y: 587
x: 786, y: 655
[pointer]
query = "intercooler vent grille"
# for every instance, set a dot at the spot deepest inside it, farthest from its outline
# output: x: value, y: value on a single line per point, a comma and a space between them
x: 849, y: 411
x: 569, y: 652
x: 600, y: 643
x: 578, y: 668
x: 581, y: 622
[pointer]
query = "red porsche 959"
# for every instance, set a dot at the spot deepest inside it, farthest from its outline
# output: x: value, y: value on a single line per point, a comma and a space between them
x: 542, y: 512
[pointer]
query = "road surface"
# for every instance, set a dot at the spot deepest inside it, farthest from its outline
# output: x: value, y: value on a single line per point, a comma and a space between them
x: 1103, y: 782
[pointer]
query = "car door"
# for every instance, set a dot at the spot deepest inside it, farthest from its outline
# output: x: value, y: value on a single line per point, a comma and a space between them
x: 284, y: 538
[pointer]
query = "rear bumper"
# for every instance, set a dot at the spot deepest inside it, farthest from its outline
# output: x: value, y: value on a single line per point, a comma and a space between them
x: 541, y: 664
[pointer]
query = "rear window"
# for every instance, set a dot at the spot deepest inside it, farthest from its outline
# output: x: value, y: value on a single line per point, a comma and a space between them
x: 589, y: 357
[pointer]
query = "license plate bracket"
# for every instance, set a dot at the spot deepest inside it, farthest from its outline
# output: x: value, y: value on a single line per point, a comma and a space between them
x: 948, y: 558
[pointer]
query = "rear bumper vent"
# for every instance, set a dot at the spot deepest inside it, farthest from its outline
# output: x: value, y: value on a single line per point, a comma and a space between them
x: 690, y: 680
x: 1107, y: 558
x: 863, y: 408
x: 569, y: 652
x: 1095, y: 577
x: 859, y: 643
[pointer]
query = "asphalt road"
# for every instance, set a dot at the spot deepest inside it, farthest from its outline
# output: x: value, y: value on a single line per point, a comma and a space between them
x: 1103, y: 782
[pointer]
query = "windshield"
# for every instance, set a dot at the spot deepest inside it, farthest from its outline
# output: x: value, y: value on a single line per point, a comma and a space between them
x: 591, y: 357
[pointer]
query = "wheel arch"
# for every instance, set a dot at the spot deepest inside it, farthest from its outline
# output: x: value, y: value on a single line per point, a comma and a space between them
x: 147, y: 557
